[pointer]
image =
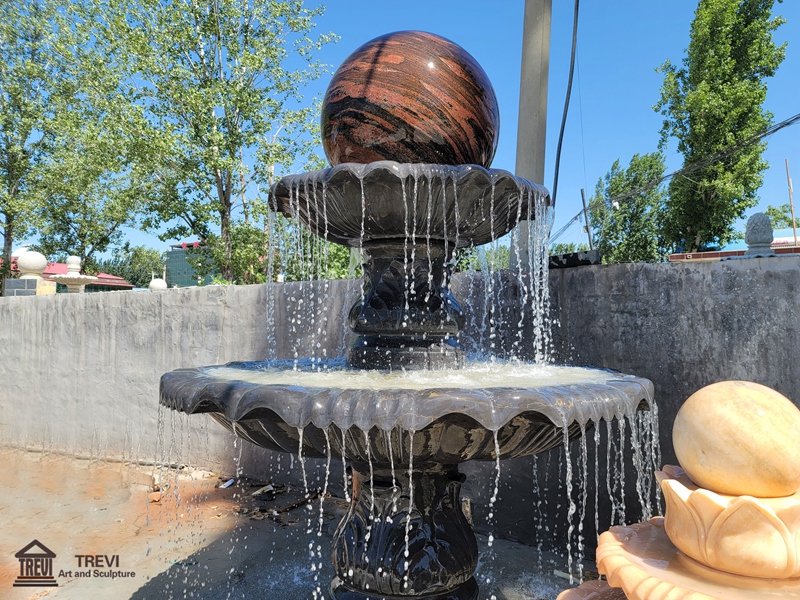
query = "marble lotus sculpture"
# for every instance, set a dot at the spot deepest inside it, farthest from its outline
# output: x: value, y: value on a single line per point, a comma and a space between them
x: 743, y: 535
x: 736, y: 536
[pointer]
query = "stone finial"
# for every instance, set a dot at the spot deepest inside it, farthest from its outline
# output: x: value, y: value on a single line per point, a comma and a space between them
x: 73, y: 264
x: 31, y: 264
x: 758, y: 236
x: 157, y: 283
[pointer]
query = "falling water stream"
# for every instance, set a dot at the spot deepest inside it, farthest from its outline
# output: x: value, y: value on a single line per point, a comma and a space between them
x: 501, y: 335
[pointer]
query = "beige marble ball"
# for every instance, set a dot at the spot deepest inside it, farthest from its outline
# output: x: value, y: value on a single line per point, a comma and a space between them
x: 741, y: 439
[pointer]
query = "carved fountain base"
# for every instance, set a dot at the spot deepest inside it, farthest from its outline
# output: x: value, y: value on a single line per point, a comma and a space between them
x: 401, y: 541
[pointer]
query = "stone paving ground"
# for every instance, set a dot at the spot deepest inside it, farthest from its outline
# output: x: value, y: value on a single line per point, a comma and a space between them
x: 197, y: 541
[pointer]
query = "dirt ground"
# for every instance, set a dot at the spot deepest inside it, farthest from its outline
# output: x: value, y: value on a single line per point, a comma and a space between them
x: 111, y: 540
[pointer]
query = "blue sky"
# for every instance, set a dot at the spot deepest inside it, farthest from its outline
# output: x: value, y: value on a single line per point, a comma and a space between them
x: 620, y: 43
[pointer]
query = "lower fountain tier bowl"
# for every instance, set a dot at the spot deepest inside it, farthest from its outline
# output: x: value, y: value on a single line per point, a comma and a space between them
x: 398, y: 418
x: 355, y: 204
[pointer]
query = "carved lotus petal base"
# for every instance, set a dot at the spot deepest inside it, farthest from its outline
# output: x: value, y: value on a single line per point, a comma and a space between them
x: 340, y: 591
x: 399, y: 541
x: 593, y: 590
x: 642, y: 561
x: 743, y: 535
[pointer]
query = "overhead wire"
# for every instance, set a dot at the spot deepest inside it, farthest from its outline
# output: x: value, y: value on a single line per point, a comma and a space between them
x: 566, y: 101
x: 688, y: 169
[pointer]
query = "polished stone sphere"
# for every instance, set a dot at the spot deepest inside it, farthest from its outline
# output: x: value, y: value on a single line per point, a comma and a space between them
x: 410, y: 97
x: 739, y: 438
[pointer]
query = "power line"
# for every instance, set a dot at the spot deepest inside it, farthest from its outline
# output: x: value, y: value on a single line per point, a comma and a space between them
x: 688, y: 169
x: 566, y: 100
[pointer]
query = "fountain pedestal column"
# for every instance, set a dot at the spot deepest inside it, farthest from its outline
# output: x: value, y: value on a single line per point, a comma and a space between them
x: 408, y: 316
x: 390, y: 545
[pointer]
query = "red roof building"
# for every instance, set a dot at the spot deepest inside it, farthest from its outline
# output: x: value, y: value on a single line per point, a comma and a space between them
x: 105, y: 281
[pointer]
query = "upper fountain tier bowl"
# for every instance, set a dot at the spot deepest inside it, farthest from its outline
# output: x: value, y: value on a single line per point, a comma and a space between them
x: 360, y: 204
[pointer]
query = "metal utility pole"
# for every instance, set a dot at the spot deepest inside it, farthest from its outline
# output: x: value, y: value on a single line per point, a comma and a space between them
x: 791, y: 201
x: 532, y: 125
x: 586, y: 218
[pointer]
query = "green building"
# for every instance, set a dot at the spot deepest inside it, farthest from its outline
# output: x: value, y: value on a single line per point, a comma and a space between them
x: 179, y: 272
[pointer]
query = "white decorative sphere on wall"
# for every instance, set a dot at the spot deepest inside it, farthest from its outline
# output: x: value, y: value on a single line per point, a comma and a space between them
x: 31, y: 264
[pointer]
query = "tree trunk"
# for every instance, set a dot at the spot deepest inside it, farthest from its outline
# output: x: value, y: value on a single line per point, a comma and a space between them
x: 5, y: 267
x: 227, y: 265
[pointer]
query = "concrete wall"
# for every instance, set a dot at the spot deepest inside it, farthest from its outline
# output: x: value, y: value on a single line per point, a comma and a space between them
x: 683, y: 326
x: 80, y: 373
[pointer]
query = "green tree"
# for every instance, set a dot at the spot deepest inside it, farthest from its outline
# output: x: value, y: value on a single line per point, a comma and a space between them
x: 92, y: 178
x: 135, y: 264
x: 567, y: 248
x: 491, y: 257
x: 222, y: 81
x: 28, y: 76
x: 250, y: 245
x: 65, y: 145
x: 90, y: 186
x: 296, y: 253
x: 626, y: 211
x: 711, y: 104
x: 781, y: 216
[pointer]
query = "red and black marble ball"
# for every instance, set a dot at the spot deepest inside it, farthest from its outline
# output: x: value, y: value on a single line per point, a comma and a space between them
x: 410, y: 97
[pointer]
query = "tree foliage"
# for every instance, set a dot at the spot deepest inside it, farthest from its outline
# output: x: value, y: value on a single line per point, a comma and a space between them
x: 221, y: 80
x: 68, y: 139
x: 91, y: 187
x: 28, y: 77
x: 567, y: 248
x: 93, y: 178
x: 296, y: 254
x: 711, y: 103
x: 780, y: 216
x: 626, y: 213
x: 135, y: 264
x: 491, y: 257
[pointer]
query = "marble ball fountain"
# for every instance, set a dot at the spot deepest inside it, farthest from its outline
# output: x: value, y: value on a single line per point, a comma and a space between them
x: 409, y: 125
x: 731, y: 530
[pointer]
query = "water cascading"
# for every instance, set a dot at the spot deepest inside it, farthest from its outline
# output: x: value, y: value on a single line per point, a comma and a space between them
x: 410, y: 127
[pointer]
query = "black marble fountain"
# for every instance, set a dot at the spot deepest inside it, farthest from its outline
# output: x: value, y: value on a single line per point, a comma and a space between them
x: 409, y: 125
